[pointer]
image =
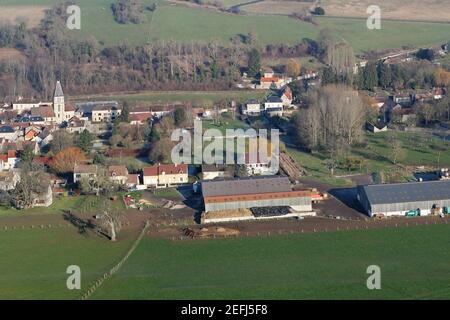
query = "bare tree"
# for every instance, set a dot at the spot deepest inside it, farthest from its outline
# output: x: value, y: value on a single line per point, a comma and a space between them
x: 110, y: 219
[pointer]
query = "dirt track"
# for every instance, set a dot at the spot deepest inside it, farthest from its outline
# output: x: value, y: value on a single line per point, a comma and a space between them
x: 308, y: 225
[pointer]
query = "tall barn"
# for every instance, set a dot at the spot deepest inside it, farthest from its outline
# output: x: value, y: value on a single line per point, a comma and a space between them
x: 268, y: 191
x: 398, y: 198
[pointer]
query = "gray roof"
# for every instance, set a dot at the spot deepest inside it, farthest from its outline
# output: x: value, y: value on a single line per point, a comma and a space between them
x: 58, y: 90
x: 274, y: 99
x: 407, y: 192
x: 246, y: 186
x: 88, y: 106
x: 7, y: 129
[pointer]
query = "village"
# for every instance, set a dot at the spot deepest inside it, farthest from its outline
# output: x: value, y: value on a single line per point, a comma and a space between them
x: 78, y: 148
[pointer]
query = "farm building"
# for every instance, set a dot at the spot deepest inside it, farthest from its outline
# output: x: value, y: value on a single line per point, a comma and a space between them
x: 253, y: 192
x: 400, y: 198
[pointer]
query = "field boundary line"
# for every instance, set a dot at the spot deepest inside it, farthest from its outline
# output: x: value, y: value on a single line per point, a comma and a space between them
x: 116, y: 268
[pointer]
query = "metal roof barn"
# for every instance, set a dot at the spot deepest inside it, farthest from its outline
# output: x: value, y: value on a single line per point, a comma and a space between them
x: 253, y: 192
x: 398, y: 198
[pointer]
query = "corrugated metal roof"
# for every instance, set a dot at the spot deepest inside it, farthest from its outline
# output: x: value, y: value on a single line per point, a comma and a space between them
x: 408, y: 192
x: 246, y: 186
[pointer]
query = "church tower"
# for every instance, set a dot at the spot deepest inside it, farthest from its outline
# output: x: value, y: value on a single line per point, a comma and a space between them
x: 58, y: 104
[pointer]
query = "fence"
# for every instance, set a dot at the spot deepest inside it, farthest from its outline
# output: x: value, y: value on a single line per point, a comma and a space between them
x: 116, y: 268
x: 363, y: 225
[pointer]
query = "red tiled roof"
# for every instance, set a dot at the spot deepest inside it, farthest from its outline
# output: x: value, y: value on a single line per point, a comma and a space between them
x: 41, y: 160
x: 4, y: 157
x: 12, y: 154
x: 140, y: 116
x: 69, y: 106
x: 151, y: 171
x: 133, y: 178
x: 85, y: 168
x: 271, y: 79
x: 120, y: 171
x: 166, y: 169
x: 45, y: 112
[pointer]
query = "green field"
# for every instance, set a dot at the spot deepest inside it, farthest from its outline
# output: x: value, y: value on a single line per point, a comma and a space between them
x: 203, y: 98
x: 414, y: 265
x: 418, y: 150
x: 57, y: 207
x: 414, y: 261
x: 179, y: 23
x: 34, y: 261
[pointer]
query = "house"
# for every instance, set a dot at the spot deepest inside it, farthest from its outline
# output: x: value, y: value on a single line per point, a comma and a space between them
x: 403, y: 98
x: 84, y: 171
x: 256, y: 166
x: 197, y: 113
x: 251, y: 108
x: 165, y: 175
x: 9, y: 160
x: 214, y: 171
x: 376, y: 127
x: 69, y: 111
x: 273, y: 106
x: 31, y: 133
x: 22, y: 106
x: 9, y: 180
x: 140, y: 118
x: 86, y: 109
x: 105, y: 113
x: 160, y: 111
x: 8, y: 132
x: 286, y: 96
x: 36, y: 120
x: 45, y: 112
x: 132, y: 181
x: 75, y: 124
x: 273, y: 82
x: 118, y: 174
x: 45, y: 137
x: 403, y: 115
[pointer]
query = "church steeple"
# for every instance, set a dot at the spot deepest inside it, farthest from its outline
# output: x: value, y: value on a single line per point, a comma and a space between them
x: 58, y: 104
x: 58, y: 90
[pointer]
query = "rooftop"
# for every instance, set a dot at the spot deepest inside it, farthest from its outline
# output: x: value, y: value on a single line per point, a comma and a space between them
x: 165, y: 169
x: 256, y: 185
x: 407, y: 192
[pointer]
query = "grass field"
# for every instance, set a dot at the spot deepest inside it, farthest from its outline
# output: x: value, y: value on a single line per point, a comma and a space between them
x: 179, y: 23
x: 203, y: 98
x: 34, y: 262
x: 57, y: 207
x: 414, y: 264
x: 428, y: 10
x: 417, y: 150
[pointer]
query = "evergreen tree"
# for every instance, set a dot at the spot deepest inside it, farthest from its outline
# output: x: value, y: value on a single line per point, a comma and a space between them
x: 254, y: 62
x: 384, y: 75
x: 125, y: 114
x: 84, y: 141
x: 370, y: 76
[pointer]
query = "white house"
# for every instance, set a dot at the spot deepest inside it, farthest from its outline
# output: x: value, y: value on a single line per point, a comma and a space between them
x: 88, y: 171
x: 251, y: 108
x: 165, y: 175
x: 256, y: 166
